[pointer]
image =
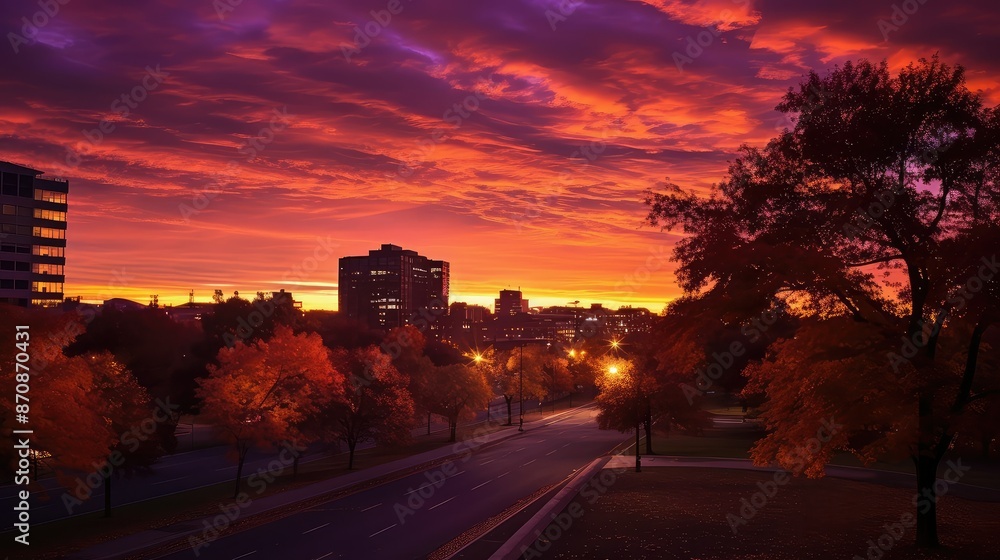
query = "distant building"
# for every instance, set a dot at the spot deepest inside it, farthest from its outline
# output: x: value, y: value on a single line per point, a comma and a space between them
x: 32, y: 237
x: 629, y: 320
x: 465, y: 325
x: 510, y: 302
x: 392, y: 287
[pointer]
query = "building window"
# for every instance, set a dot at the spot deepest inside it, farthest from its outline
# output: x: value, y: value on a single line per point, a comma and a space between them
x: 9, y: 210
x: 43, y: 268
x: 50, y: 196
x: 48, y: 233
x: 54, y: 215
x: 47, y: 287
x: 47, y: 251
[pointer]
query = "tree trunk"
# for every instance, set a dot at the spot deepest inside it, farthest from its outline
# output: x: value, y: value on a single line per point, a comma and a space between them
x: 428, y: 423
x: 242, y: 451
x: 295, y: 466
x: 510, y: 399
x: 453, y: 424
x: 350, y: 453
x: 648, y: 425
x: 107, y: 495
x: 986, y: 440
x: 927, y: 535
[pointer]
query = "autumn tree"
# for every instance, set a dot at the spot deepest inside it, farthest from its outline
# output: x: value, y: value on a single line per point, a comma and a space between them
x: 455, y: 392
x: 376, y: 404
x: 159, y: 351
x: 260, y: 394
x: 872, y: 219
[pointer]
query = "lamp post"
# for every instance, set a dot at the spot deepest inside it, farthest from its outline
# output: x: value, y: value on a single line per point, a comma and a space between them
x: 520, y: 389
x: 638, y: 426
x: 613, y: 370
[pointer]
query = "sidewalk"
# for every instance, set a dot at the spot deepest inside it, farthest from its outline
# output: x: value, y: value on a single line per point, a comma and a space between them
x: 272, y: 504
x: 860, y: 474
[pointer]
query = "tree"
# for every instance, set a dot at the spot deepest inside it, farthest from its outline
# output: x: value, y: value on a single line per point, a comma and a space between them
x: 159, y: 351
x: 376, y: 404
x: 88, y: 413
x: 548, y: 371
x: 260, y: 394
x: 872, y: 220
x: 508, y: 382
x: 454, y: 392
x: 128, y: 411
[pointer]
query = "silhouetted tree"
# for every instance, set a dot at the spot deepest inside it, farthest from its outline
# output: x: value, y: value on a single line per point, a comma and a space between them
x: 872, y: 219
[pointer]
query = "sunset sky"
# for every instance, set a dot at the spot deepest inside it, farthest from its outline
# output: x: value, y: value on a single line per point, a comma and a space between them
x: 536, y: 183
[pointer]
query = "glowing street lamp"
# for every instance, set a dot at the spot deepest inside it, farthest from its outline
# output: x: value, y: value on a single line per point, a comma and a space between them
x: 613, y: 372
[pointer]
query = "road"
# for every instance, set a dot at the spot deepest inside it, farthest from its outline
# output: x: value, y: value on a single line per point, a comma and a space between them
x: 413, y: 516
x: 177, y: 473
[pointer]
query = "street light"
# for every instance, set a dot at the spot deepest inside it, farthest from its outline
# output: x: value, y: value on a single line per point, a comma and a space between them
x: 520, y: 390
x: 613, y: 371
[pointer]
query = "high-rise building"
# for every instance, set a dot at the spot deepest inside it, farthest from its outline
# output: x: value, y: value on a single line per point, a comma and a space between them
x: 510, y: 302
x: 32, y: 237
x: 392, y: 287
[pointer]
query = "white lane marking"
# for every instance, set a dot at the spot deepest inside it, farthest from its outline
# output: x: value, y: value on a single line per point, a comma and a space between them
x: 516, y: 450
x: 551, y: 452
x: 226, y: 468
x: 324, y: 556
x: 487, y: 462
x: 528, y: 463
x: 565, y: 445
x: 483, y: 484
x: 169, y: 480
x: 504, y: 474
x: 383, y: 530
x: 368, y: 508
x: 315, y: 528
x: 422, y: 486
x: 442, y: 503
x: 245, y: 555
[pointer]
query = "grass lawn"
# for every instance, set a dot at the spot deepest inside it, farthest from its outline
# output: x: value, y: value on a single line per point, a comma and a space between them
x: 736, y: 444
x: 675, y: 513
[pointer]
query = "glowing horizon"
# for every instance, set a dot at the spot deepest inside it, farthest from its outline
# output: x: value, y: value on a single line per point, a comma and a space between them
x: 223, y: 151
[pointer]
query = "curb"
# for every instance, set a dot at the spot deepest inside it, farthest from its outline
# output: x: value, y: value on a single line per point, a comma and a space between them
x: 152, y: 542
x: 515, y: 546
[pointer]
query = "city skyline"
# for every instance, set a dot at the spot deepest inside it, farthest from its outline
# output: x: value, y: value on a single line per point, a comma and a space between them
x: 516, y: 134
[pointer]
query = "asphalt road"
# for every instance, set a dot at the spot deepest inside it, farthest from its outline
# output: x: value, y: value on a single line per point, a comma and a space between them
x: 172, y: 474
x: 413, y: 516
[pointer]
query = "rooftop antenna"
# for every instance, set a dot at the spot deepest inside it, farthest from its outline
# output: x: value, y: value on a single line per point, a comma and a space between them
x: 191, y: 297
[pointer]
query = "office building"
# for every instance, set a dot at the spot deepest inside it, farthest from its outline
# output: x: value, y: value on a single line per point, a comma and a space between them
x: 510, y: 302
x: 392, y: 287
x: 32, y: 237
